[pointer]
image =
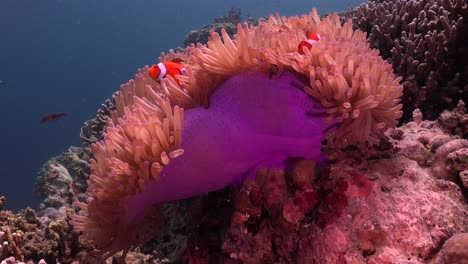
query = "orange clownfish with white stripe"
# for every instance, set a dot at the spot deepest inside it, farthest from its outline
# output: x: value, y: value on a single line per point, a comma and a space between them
x: 311, y: 40
x: 159, y: 71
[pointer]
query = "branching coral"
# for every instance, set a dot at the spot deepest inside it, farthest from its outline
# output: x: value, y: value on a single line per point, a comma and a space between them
x: 235, y: 108
x: 426, y: 44
x: 228, y: 22
x: 92, y: 131
x: 25, y: 238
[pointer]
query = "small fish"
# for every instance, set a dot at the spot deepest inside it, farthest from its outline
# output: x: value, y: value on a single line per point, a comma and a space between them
x: 52, y: 117
x: 311, y: 40
x: 159, y: 71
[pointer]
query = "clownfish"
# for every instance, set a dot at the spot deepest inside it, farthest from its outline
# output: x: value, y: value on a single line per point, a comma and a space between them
x: 311, y: 39
x: 159, y: 71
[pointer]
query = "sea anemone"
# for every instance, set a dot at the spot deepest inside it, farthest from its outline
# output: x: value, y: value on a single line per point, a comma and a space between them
x: 240, y: 104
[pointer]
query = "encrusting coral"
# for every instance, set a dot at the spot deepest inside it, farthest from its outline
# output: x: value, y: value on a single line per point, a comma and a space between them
x: 157, y: 147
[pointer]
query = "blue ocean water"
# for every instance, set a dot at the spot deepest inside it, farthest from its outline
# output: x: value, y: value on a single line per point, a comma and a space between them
x: 71, y: 55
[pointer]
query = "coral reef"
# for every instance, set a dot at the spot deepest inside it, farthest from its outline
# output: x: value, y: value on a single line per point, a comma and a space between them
x: 93, y: 129
x: 62, y: 178
x: 227, y: 22
x: 56, y: 184
x: 269, y: 213
x: 455, y: 122
x: 400, y: 199
x: 159, y: 130
x: 423, y: 40
x: 451, y: 158
x: 379, y: 205
x: 425, y: 43
x: 383, y: 189
x: 26, y: 237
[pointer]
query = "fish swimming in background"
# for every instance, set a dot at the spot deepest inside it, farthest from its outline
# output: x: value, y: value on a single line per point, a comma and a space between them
x: 159, y: 71
x: 311, y: 40
x: 51, y: 117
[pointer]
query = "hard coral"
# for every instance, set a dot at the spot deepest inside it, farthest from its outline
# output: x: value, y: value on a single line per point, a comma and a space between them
x: 92, y: 130
x: 425, y: 43
x: 235, y: 108
x: 228, y: 22
x: 456, y: 121
x: 62, y: 178
x: 26, y: 237
x: 442, y: 155
x: 53, y: 185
